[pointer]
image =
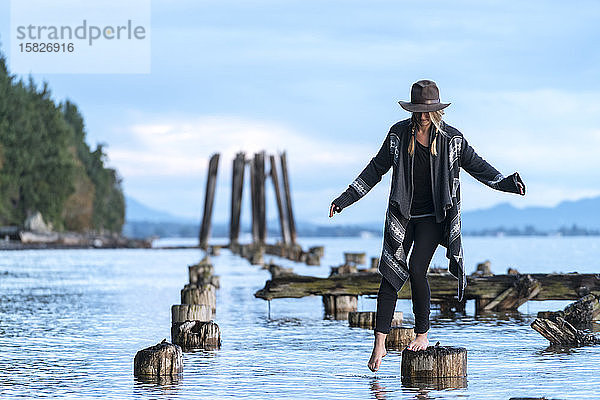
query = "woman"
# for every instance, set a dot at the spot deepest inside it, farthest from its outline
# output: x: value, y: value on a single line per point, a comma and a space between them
x: 424, y: 206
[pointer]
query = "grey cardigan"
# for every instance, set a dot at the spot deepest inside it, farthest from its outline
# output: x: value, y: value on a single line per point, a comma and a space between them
x: 453, y: 152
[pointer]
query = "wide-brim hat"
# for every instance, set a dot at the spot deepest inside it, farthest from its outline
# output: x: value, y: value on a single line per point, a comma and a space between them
x: 424, y: 97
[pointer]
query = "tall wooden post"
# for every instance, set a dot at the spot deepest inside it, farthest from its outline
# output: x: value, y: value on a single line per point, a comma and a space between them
x: 254, y: 198
x: 237, y: 186
x: 288, y: 198
x: 208, y: 200
x: 259, y: 159
x: 283, y: 223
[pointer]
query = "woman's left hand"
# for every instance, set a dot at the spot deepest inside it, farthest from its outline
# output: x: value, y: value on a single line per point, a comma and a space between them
x: 520, y: 186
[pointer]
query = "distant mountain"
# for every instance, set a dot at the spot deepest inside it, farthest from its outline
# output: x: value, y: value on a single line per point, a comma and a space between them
x: 567, y: 218
x: 583, y: 213
x: 136, y: 211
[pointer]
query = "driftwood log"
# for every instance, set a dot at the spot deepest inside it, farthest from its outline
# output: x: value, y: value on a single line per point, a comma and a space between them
x: 191, y: 312
x: 163, y: 359
x: 580, y: 314
x: 568, y: 327
x: 196, y: 334
x: 443, y: 286
x: 435, y: 362
x: 366, y: 319
x: 561, y: 333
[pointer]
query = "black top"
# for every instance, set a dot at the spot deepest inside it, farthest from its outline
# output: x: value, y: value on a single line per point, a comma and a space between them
x: 422, y: 202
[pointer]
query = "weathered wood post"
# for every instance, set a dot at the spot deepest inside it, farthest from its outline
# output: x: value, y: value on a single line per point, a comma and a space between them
x: 283, y: 222
x: 191, y: 312
x: 208, y: 200
x: 163, y: 359
x: 339, y: 306
x: 366, y: 319
x: 260, y: 191
x: 288, y: 197
x: 257, y: 181
x: 200, y: 273
x: 200, y: 294
x: 435, y: 362
x: 237, y: 187
x: 355, y: 258
x: 196, y: 334
x: 399, y: 337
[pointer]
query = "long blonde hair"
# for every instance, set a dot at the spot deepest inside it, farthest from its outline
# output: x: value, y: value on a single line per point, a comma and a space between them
x: 436, y: 119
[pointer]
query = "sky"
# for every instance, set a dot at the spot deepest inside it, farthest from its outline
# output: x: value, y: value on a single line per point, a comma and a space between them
x: 321, y: 81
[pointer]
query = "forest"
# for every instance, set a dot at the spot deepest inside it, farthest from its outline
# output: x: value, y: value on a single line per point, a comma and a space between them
x: 46, y: 165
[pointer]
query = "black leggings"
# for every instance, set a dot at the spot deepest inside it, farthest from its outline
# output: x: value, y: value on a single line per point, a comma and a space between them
x: 426, y: 234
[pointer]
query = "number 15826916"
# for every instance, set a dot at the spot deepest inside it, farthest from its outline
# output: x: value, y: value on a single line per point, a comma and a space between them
x: 47, y: 47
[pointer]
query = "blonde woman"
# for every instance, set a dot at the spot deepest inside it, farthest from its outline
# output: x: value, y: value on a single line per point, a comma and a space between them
x: 426, y: 155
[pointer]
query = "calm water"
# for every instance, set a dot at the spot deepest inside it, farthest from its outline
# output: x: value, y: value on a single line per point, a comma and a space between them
x: 71, y: 322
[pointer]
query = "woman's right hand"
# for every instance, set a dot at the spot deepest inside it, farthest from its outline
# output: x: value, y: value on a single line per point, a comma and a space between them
x: 334, y: 209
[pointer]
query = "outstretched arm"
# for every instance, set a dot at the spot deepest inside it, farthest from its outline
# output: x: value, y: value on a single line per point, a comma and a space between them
x: 485, y: 173
x: 364, y: 182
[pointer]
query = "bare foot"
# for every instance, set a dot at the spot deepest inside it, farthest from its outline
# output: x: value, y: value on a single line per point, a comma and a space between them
x: 419, y: 343
x: 378, y: 351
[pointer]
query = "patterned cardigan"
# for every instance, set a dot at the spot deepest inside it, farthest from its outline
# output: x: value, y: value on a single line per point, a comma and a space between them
x: 454, y: 152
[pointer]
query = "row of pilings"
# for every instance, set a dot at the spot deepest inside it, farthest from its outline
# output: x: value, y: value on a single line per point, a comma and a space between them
x: 192, y: 328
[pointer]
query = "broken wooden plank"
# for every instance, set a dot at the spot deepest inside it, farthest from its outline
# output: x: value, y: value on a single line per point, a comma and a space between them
x: 443, y: 286
x: 580, y: 314
x: 524, y: 289
x: 561, y: 333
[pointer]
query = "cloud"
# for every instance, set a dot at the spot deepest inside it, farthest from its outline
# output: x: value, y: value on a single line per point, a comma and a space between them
x: 182, y: 146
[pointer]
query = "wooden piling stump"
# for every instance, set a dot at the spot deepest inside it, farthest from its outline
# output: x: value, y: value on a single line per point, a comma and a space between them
x: 399, y: 337
x: 483, y: 269
x: 343, y: 269
x: 355, y: 258
x: 277, y: 270
x: 312, y: 259
x: 319, y: 251
x: 200, y: 273
x: 339, y: 306
x: 196, y: 334
x: 214, y: 250
x: 163, y: 359
x: 452, y: 305
x: 374, y: 262
x: 203, y: 294
x: 191, y: 312
x: 434, y: 362
x: 366, y: 319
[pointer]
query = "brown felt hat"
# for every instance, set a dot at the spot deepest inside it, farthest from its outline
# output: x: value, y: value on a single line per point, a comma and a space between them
x: 424, y: 97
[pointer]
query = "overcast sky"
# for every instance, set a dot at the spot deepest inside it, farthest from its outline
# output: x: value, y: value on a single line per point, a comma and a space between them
x: 321, y: 80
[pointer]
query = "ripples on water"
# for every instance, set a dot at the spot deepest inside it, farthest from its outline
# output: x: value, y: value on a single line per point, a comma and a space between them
x: 71, y: 322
